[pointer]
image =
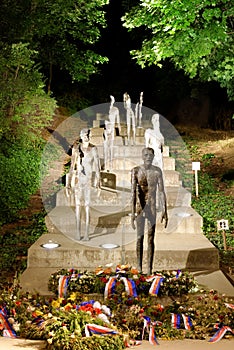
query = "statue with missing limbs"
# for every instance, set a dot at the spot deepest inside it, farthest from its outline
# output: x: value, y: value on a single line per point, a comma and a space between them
x: 155, y: 140
x: 146, y: 180
x: 84, y: 162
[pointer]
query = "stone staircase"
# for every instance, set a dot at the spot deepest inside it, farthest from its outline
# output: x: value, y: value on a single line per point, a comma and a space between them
x: 182, y: 245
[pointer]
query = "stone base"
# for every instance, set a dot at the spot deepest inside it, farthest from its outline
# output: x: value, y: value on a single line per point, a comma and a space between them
x: 173, y: 251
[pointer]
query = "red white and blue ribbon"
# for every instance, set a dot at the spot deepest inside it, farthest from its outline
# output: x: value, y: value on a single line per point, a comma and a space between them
x: 175, y: 321
x: 130, y: 286
x: 155, y: 286
x: 220, y: 333
x: 8, y: 329
x: 187, y: 322
x: 150, y: 327
x: 62, y: 286
x: 92, y: 328
x: 110, y: 287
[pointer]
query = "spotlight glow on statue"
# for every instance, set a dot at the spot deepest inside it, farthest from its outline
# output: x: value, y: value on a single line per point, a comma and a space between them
x: 130, y: 118
x: 84, y: 160
x: 155, y: 140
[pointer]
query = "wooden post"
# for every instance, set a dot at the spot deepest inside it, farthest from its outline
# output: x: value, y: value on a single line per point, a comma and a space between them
x: 222, y: 225
x: 224, y: 240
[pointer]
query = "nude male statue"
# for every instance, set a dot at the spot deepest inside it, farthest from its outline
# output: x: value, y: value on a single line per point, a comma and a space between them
x: 146, y: 180
x: 84, y: 161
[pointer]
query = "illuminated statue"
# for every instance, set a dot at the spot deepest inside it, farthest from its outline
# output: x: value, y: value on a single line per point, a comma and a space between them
x: 130, y: 118
x: 114, y: 116
x: 155, y: 140
x: 84, y: 161
x: 108, y: 145
x: 138, y: 110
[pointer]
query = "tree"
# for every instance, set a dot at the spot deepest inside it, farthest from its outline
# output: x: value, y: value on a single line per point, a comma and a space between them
x: 63, y: 32
x: 197, y: 36
x: 25, y: 110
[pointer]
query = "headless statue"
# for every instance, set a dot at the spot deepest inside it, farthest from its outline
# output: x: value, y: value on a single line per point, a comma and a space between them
x: 130, y: 118
x: 84, y: 160
x: 146, y: 181
x: 155, y: 140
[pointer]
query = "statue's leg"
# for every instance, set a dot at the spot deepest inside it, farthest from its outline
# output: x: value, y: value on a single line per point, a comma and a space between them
x: 87, y: 210
x: 140, y: 224
x: 111, y: 153
x: 105, y: 154
x: 78, y: 222
x: 134, y: 134
x: 78, y: 213
x: 150, y: 257
x: 128, y: 128
x: 86, y: 236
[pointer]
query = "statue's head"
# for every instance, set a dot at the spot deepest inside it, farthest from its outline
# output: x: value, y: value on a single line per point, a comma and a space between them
x: 85, y: 135
x: 147, y: 155
x: 155, y: 118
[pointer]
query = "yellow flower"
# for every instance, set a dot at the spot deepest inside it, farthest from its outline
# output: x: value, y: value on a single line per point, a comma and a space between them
x: 38, y: 313
x: 55, y: 304
x: 72, y: 297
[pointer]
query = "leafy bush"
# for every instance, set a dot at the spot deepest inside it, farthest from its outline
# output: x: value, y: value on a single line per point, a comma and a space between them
x: 19, y: 179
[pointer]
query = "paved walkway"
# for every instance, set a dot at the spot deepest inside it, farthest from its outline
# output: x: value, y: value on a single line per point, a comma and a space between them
x: 224, y: 344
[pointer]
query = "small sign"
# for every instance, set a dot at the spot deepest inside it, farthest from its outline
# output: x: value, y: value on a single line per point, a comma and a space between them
x: 195, y: 165
x: 222, y: 225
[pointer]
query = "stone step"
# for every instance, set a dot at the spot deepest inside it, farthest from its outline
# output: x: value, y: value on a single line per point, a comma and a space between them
x: 123, y: 178
x: 177, y: 196
x: 172, y: 252
x: 128, y: 151
x: 106, y: 221
x: 129, y: 163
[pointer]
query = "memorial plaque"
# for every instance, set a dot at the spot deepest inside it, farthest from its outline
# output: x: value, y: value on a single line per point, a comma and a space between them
x: 108, y: 180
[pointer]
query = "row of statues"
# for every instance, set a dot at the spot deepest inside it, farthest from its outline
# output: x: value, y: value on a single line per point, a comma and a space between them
x: 153, y: 137
x: 146, y: 179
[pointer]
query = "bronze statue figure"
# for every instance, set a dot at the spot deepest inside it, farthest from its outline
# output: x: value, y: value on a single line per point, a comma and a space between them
x: 146, y: 180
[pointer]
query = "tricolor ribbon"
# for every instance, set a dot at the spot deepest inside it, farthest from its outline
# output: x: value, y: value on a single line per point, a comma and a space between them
x: 156, y: 283
x: 92, y: 328
x: 187, y: 322
x: 8, y: 329
x: 150, y: 327
x: 130, y: 286
x: 62, y: 286
x: 175, y: 321
x: 222, y: 329
x: 110, y: 287
x: 152, y: 335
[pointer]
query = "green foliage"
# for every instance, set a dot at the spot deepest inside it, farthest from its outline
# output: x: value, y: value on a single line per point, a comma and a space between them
x: 25, y: 109
x: 213, y: 205
x: 15, y: 244
x: 195, y: 35
x: 19, y: 179
x: 62, y: 32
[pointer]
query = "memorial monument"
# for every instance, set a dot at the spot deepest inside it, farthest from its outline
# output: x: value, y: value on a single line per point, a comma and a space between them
x: 107, y: 228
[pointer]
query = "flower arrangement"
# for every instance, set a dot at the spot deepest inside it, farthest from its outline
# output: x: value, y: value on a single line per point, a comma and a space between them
x: 74, y: 321
x: 175, y: 283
